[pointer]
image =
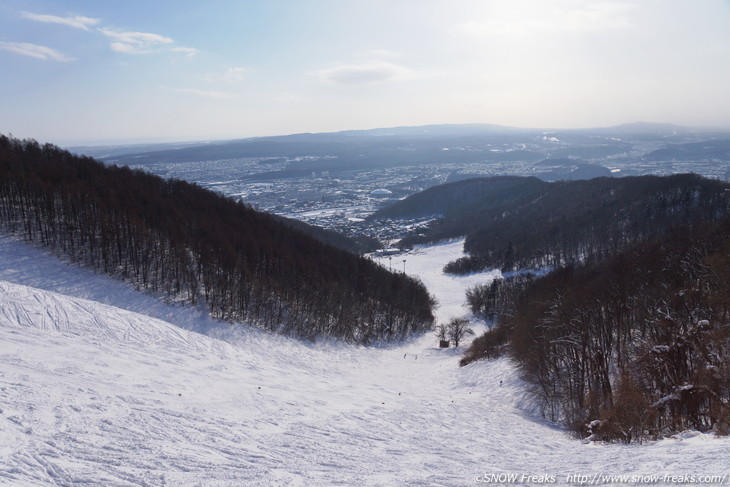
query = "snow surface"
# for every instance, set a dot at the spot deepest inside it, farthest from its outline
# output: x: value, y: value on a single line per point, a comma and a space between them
x: 93, y: 394
x: 427, y: 262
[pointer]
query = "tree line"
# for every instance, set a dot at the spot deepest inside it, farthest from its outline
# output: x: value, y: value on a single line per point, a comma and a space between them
x: 569, y: 221
x: 517, y: 223
x: 195, y: 246
x: 627, y: 347
x: 455, y: 200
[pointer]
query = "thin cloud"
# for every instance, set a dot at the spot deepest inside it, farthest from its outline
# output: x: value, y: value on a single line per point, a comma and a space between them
x: 203, y: 93
x: 126, y: 48
x: 34, y: 51
x: 187, y: 51
x: 134, y: 42
x: 77, y: 21
x: 365, y: 73
x: 232, y: 75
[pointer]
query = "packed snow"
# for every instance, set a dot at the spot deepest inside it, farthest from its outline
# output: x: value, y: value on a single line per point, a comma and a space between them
x: 102, y: 385
x: 427, y: 262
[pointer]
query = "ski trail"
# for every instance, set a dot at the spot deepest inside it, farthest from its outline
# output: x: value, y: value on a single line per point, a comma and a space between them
x: 91, y: 394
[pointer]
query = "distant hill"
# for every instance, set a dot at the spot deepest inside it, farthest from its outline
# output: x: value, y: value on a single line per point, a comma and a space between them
x: 572, y: 220
x: 347, y: 151
x: 195, y: 246
x: 645, y: 128
x: 458, y: 144
x: 423, y: 131
x: 517, y: 223
x: 467, y: 196
x: 313, y: 144
x: 442, y: 130
x: 718, y: 150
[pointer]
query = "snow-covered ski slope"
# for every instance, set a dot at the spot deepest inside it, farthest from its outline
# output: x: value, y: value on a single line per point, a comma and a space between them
x: 91, y: 394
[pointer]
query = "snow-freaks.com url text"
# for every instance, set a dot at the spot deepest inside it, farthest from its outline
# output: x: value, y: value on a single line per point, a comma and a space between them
x: 598, y: 479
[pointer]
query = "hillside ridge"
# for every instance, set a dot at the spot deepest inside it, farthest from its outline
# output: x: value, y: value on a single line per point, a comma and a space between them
x: 196, y: 246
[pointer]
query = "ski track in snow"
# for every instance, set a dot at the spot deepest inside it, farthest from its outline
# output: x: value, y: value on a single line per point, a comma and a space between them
x: 97, y: 394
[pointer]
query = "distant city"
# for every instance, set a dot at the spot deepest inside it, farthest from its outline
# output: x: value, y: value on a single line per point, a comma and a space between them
x: 336, y: 181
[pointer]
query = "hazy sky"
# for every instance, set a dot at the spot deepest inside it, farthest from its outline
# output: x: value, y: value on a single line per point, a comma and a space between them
x: 73, y: 71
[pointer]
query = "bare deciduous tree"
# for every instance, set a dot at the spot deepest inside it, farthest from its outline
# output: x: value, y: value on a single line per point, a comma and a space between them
x: 458, y: 329
x: 192, y: 245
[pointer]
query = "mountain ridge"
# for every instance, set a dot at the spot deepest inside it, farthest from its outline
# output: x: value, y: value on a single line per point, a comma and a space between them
x: 447, y: 131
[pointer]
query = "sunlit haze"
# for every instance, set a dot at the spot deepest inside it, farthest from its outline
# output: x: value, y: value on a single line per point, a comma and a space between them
x: 83, y: 71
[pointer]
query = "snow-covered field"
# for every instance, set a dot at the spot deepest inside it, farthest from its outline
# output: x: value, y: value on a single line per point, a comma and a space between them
x: 97, y: 394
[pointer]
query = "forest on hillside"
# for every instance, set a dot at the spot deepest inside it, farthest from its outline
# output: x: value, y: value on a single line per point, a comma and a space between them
x: 570, y: 221
x: 195, y: 246
x: 629, y: 347
x: 455, y: 201
x: 517, y: 223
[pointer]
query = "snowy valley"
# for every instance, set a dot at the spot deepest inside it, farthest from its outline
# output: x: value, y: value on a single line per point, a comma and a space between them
x: 425, y: 243
x: 102, y: 385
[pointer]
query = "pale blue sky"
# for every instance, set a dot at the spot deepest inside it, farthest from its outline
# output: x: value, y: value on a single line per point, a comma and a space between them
x: 76, y: 71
